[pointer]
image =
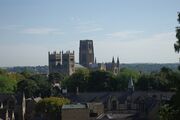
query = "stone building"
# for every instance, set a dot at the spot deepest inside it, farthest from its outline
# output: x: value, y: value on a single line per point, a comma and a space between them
x: 12, y: 107
x: 86, y: 53
x: 75, y: 112
x: 60, y: 62
x: 113, y: 66
x: 96, y: 108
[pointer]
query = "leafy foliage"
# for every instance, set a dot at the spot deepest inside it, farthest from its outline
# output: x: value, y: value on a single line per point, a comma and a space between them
x: 29, y: 87
x: 56, y: 77
x: 35, y: 85
x: 78, y: 79
x: 100, y: 81
x: 166, y: 112
x: 177, y: 44
x: 171, y: 111
x: 7, y: 85
x: 51, y: 107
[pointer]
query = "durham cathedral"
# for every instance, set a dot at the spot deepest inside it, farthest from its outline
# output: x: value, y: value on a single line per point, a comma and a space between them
x: 60, y: 62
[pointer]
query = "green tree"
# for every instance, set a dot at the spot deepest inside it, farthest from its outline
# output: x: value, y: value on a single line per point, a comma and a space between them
x: 172, y: 110
x: 26, y: 73
x: 7, y: 85
x: 56, y: 77
x: 100, y: 81
x: 124, y: 76
x: 51, y: 107
x: 166, y: 112
x: 177, y: 44
x: 29, y: 87
x: 78, y: 79
x: 3, y: 72
x: 44, y: 86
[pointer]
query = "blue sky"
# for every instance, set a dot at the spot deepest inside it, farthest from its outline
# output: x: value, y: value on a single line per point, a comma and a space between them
x: 141, y: 31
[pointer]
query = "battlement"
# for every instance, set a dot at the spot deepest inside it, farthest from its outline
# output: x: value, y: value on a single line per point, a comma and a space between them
x: 69, y: 52
x: 60, y: 53
x: 54, y: 53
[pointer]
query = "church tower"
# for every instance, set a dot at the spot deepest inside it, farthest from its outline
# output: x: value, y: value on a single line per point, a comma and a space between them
x: 60, y: 62
x: 68, y: 63
x: 86, y: 52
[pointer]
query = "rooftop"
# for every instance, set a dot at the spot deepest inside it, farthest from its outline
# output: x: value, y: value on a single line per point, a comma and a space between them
x: 73, y: 106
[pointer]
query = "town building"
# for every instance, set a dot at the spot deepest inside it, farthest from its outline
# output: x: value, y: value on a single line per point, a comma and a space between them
x: 12, y: 106
x: 75, y: 112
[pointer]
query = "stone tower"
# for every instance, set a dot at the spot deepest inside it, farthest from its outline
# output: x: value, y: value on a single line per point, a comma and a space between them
x: 68, y: 62
x: 86, y: 52
x: 54, y: 61
x: 60, y: 62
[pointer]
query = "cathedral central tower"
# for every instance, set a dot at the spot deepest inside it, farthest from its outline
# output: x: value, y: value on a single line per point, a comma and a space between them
x: 86, y: 52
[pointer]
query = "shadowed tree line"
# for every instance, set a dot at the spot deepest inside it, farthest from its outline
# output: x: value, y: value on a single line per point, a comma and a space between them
x: 87, y: 81
x: 98, y: 81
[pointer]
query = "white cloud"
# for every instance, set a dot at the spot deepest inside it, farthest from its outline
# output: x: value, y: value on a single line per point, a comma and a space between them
x: 155, y: 48
x: 124, y: 34
x: 88, y: 27
x: 87, y: 30
x: 41, y: 31
x: 10, y: 27
x: 75, y: 18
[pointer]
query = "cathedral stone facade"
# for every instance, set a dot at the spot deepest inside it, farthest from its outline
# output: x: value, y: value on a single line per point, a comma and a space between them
x: 86, y: 53
x: 60, y: 62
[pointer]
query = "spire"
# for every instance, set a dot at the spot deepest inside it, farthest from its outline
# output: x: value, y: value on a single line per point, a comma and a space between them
x: 12, y: 116
x: 118, y: 60
x: 118, y: 63
x: 77, y: 90
x: 131, y: 85
x: 113, y: 60
x: 1, y: 105
x: 23, y: 106
x: 7, y: 115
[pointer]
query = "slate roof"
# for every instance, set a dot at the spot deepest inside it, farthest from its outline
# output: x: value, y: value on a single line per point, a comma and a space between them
x: 74, y: 106
x: 6, y: 97
x: 137, y: 96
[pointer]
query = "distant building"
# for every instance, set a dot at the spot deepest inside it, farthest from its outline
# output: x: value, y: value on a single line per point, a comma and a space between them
x: 113, y: 66
x: 62, y: 62
x: 86, y: 52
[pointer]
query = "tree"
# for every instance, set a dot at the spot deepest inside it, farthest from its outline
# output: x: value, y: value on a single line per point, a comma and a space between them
x: 100, y: 81
x: 166, y: 112
x: 29, y: 87
x: 51, y: 107
x: 56, y: 77
x: 78, y: 79
x: 44, y: 86
x: 26, y: 73
x: 177, y: 44
x: 3, y: 72
x: 172, y: 110
x: 7, y: 85
x: 123, y: 78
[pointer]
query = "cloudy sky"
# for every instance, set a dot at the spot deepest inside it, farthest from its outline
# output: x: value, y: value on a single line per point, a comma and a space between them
x: 136, y: 31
